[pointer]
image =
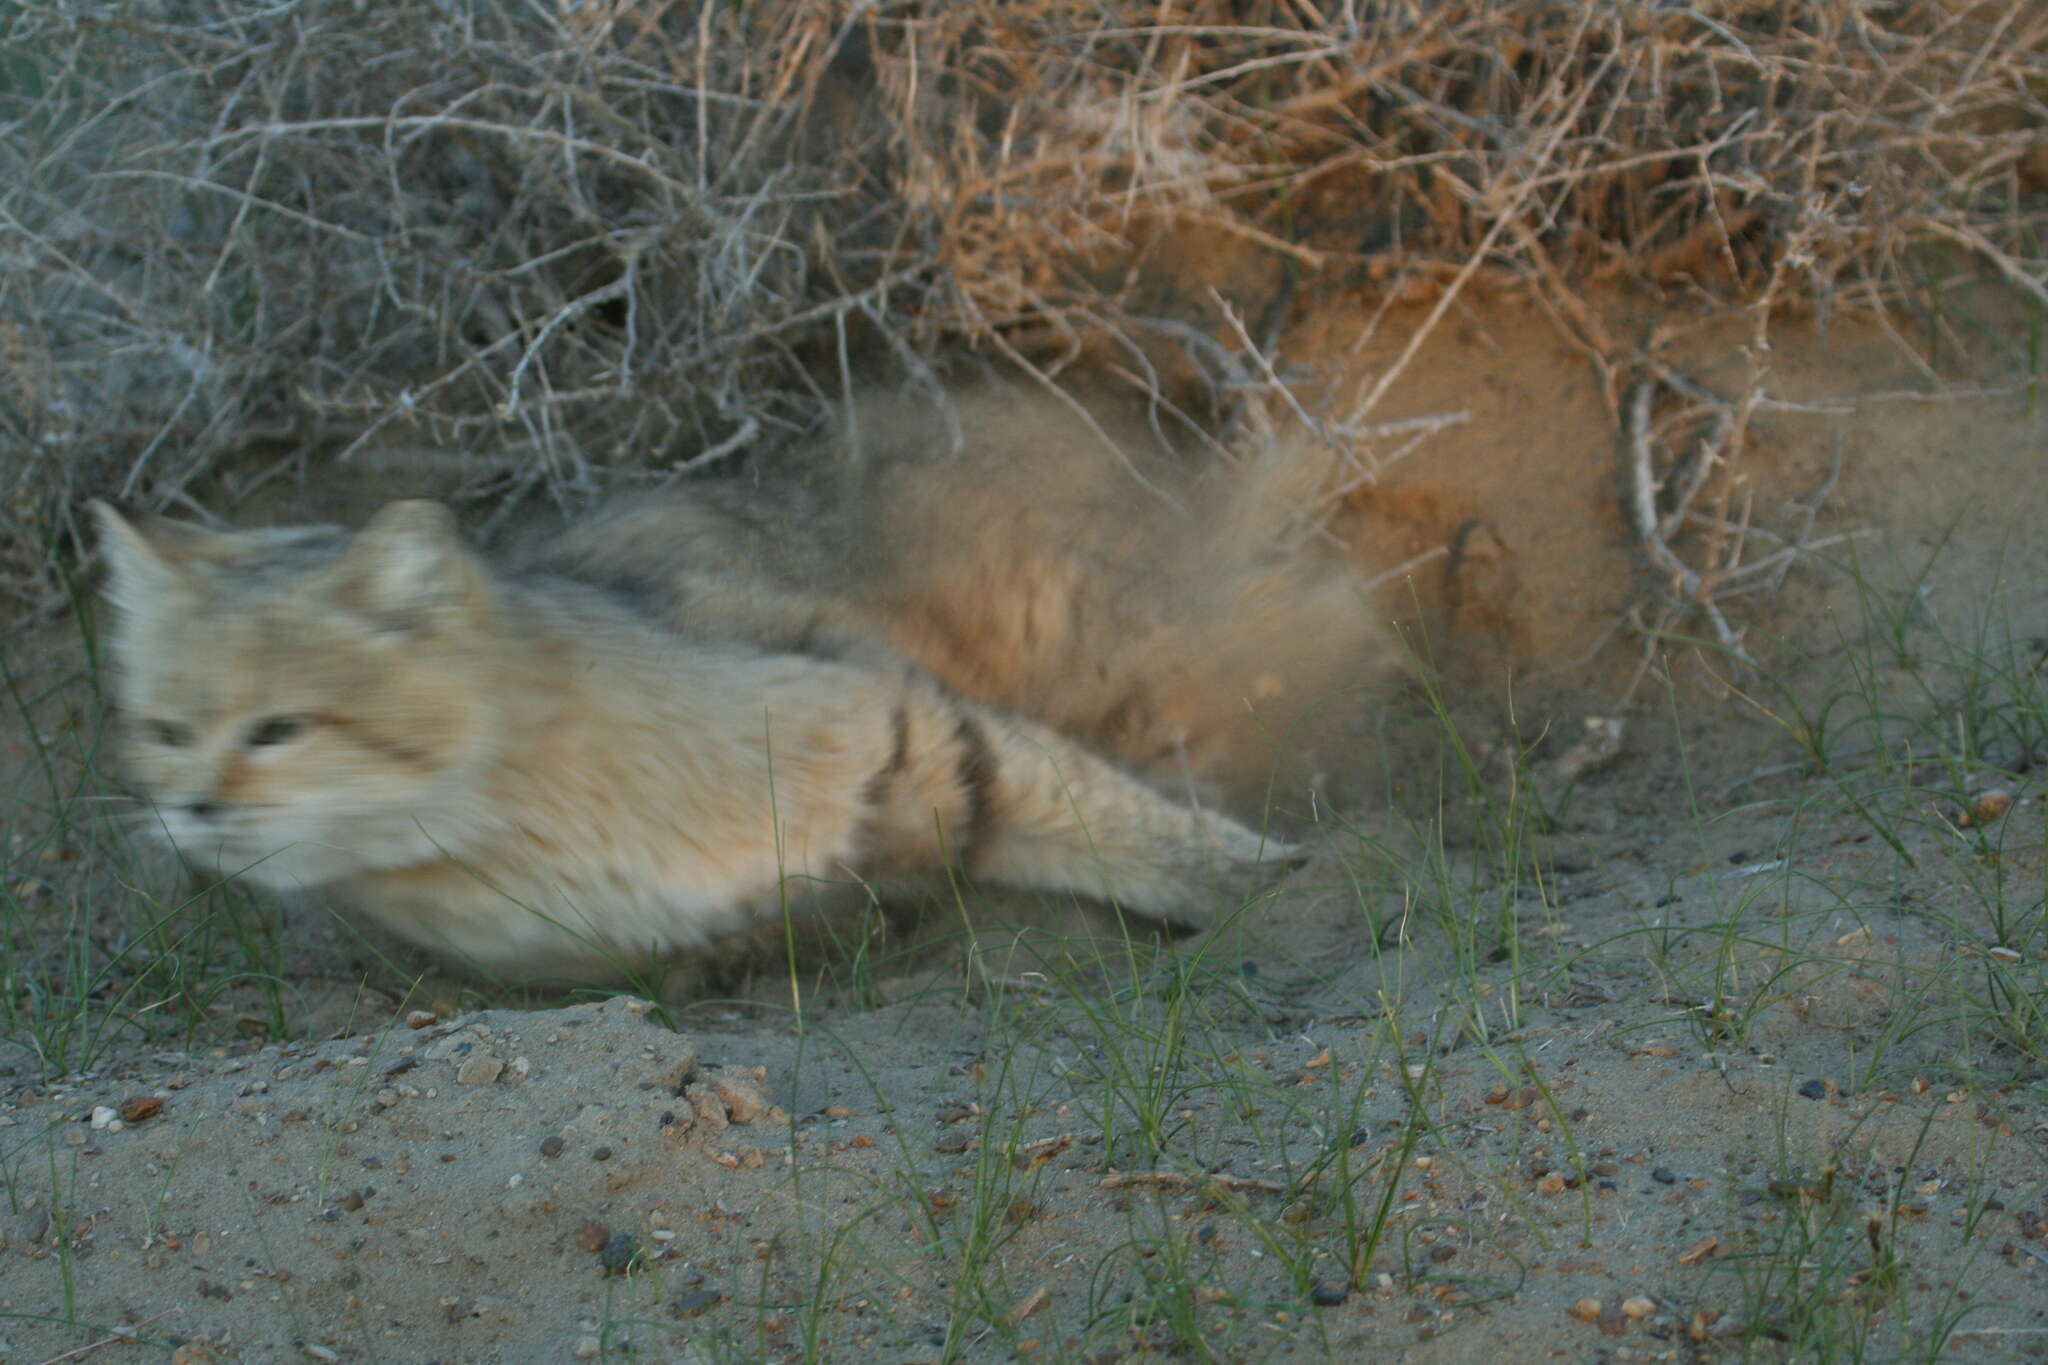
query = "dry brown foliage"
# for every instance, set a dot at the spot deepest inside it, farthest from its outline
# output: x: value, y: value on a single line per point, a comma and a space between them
x: 539, y: 238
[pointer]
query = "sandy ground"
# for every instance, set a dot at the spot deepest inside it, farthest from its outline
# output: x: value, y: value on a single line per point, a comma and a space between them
x: 1739, y: 1084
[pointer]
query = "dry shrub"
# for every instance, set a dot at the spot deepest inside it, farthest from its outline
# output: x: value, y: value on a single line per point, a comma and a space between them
x: 537, y: 241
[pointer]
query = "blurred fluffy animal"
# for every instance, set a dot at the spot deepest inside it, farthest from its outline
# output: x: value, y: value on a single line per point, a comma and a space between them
x: 692, y: 710
x: 1177, y: 611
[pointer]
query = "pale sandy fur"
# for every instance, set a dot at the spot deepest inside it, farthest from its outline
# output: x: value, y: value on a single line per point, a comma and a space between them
x: 540, y: 775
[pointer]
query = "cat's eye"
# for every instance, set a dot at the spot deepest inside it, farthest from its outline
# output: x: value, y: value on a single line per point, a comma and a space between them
x: 275, y: 730
x: 168, y: 733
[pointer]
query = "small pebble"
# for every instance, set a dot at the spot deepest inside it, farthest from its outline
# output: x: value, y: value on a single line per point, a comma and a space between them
x: 618, y: 1255
x: 1329, y: 1293
x: 744, y: 1100
x: 1586, y: 1310
x: 709, y: 1109
x: 551, y: 1145
x: 1988, y: 807
x: 587, y: 1348
x: 698, y: 1302
x: 104, y: 1114
x: 1814, y: 1090
x: 1663, y: 1175
x: 1639, y: 1307
x: 479, y: 1069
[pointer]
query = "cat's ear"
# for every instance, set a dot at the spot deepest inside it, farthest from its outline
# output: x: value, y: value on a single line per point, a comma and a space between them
x: 150, y: 560
x: 409, y: 567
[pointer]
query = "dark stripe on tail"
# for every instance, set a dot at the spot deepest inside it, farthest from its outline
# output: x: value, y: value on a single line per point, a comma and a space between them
x: 976, y: 774
x: 877, y: 790
x: 806, y: 641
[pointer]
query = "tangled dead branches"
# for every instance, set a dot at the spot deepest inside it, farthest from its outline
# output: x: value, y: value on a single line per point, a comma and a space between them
x: 548, y: 241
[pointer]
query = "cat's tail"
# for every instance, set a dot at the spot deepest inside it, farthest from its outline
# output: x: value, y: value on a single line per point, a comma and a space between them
x: 1005, y: 800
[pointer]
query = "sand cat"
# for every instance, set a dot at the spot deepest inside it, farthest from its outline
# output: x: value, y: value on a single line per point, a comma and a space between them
x: 538, y: 775
x: 653, y: 730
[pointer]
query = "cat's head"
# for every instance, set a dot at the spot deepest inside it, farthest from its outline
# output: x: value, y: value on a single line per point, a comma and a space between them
x: 294, y: 702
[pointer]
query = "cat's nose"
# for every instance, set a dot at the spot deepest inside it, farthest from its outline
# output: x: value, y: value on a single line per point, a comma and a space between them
x: 203, y: 810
